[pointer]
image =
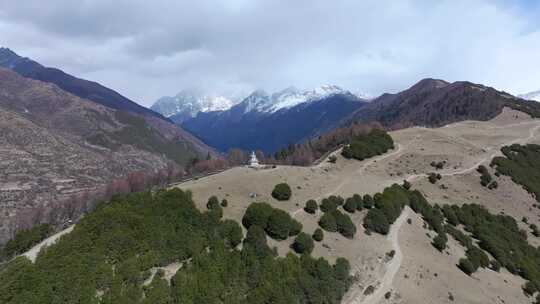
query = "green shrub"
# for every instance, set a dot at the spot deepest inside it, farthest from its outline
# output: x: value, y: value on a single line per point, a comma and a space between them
x: 466, y: 266
x: 328, y: 222
x: 328, y: 205
x: 374, y: 143
x: 440, y: 241
x: 257, y: 214
x: 376, y: 221
x: 256, y: 240
x: 224, y: 203
x: 279, y: 224
x: 344, y: 224
x: 477, y: 257
x: 303, y: 244
x: 311, y: 206
x: 282, y: 192
x: 359, y: 202
x: 318, y: 235
x: 231, y: 232
x: 350, y: 205
x: 368, y: 201
x: 212, y: 203
x: 522, y: 164
x: 296, y: 227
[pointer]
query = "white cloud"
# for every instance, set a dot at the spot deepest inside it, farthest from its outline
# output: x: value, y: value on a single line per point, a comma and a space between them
x: 149, y: 49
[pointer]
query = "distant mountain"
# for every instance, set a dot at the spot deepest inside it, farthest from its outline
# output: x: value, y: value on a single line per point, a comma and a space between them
x: 531, y: 96
x: 188, y: 103
x: 55, y: 146
x: 97, y: 93
x: 270, y: 122
x: 78, y: 87
x: 433, y: 102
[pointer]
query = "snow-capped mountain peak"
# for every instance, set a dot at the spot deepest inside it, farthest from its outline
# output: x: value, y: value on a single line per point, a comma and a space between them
x: 291, y: 97
x: 531, y: 96
x: 189, y: 102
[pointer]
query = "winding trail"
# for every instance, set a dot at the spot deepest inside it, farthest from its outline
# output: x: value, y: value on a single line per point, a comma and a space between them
x: 32, y: 253
x: 392, y: 268
x: 397, y: 151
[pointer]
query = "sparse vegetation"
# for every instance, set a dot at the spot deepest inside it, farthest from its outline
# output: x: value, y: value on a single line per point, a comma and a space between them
x: 374, y: 143
x: 434, y: 177
x: 486, y: 179
x: 311, y: 206
x: 318, y: 235
x: 438, y: 165
x: 282, y: 192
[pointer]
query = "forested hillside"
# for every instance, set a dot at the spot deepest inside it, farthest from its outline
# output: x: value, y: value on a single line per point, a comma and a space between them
x: 109, y: 255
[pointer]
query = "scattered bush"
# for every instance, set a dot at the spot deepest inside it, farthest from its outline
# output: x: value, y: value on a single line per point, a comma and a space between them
x: 318, y: 235
x: 466, y: 266
x: 332, y: 159
x: 311, y: 206
x: 434, y: 177
x: 282, y: 192
x: 303, y: 243
x: 438, y: 165
x: 350, y: 205
x: 212, y: 203
x: 376, y: 221
x: 359, y: 202
x: 345, y: 225
x: 296, y: 228
x: 224, y: 203
x: 407, y: 185
x: 328, y: 222
x: 328, y: 205
x: 440, y: 241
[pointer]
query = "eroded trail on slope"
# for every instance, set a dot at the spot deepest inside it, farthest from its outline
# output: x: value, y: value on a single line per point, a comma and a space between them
x: 392, y: 268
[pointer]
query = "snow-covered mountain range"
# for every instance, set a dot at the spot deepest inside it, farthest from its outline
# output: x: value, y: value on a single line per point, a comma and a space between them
x: 188, y: 103
x: 531, y: 96
x: 260, y: 101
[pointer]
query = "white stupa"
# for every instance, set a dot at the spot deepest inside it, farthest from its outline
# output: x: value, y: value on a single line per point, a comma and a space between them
x: 253, y: 161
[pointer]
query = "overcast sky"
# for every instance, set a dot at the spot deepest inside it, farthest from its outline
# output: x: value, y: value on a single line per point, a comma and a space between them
x: 147, y: 49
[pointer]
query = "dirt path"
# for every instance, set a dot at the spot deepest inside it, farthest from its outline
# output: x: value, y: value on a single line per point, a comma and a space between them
x: 532, y: 131
x: 397, y: 151
x: 392, y: 268
x: 33, y: 252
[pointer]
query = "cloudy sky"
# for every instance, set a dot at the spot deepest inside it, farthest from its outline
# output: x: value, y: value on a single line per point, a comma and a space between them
x: 147, y: 49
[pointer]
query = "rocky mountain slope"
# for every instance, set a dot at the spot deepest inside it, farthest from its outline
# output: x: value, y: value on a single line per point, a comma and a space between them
x: 270, y: 122
x: 97, y: 93
x: 56, y: 147
x: 79, y: 87
x: 433, y: 103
